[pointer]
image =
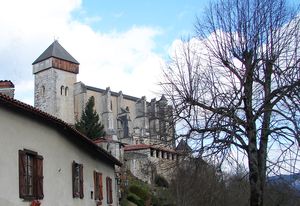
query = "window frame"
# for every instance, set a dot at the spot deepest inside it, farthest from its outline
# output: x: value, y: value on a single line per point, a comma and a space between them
x: 77, y: 180
x: 32, y: 169
x: 98, y: 186
x: 109, y: 196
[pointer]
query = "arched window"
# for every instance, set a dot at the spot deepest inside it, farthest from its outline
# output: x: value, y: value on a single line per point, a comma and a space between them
x: 62, y: 90
x: 66, y: 91
x: 43, y: 90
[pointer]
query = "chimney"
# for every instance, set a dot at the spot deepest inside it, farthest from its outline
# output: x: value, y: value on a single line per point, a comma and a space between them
x: 7, y: 88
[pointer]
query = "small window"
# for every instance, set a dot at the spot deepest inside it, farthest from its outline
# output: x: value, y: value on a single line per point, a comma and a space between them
x: 151, y: 152
x: 168, y: 155
x: 43, y: 91
x: 109, y: 190
x: 66, y: 91
x: 98, y: 187
x: 77, y: 180
x: 157, y: 153
x: 30, y: 175
x: 162, y: 154
x: 62, y: 90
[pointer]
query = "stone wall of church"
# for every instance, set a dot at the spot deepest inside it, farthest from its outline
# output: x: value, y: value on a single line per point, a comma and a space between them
x: 54, y: 93
x: 133, y: 120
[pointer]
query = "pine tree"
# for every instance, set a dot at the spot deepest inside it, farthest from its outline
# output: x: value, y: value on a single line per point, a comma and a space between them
x: 89, y: 123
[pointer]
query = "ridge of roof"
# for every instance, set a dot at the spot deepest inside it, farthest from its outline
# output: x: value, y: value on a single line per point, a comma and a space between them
x: 56, y: 50
x: 13, y: 103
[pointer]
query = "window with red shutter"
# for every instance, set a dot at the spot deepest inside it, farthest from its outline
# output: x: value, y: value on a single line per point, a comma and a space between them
x: 77, y: 180
x: 30, y: 175
x: 98, y: 189
x: 109, y: 190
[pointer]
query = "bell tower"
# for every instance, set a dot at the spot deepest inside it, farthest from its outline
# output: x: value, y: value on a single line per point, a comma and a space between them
x: 55, y: 73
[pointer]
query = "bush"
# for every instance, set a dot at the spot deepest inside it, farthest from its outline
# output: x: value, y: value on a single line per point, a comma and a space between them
x: 135, y: 199
x: 161, y: 181
x: 139, y: 191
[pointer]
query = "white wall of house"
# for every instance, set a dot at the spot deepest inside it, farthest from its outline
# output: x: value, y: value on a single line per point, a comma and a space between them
x: 18, y: 132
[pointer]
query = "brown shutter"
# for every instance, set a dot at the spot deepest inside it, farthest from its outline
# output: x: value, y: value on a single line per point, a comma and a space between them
x: 73, y: 178
x: 22, y: 192
x: 100, y: 187
x: 96, y: 185
x: 107, y: 190
x: 39, y: 177
x: 81, y: 180
x: 110, y: 191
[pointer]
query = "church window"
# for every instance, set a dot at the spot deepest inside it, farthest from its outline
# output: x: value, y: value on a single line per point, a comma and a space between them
x: 43, y: 90
x: 152, y: 152
x: 157, y: 153
x: 30, y: 175
x: 111, y: 106
x: 62, y: 90
x: 66, y: 91
x: 77, y: 180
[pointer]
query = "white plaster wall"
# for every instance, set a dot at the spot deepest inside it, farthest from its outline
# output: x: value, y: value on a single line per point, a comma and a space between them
x: 18, y: 133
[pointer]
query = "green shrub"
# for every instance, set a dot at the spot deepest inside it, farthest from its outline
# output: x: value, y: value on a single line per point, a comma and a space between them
x: 135, y: 199
x: 139, y: 191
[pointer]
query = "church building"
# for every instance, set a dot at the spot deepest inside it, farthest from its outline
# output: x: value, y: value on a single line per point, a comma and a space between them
x: 126, y: 118
x: 139, y: 125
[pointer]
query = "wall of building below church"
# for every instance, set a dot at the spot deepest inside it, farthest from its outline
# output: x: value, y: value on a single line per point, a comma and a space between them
x: 145, y: 166
x: 19, y: 132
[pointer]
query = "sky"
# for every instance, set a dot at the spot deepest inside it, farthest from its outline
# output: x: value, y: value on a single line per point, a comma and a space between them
x: 119, y: 44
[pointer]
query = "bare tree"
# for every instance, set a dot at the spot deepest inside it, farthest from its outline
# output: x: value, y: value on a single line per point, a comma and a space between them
x: 235, y: 89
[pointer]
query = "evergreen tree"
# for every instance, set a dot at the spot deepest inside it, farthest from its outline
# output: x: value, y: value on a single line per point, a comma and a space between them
x: 89, y: 123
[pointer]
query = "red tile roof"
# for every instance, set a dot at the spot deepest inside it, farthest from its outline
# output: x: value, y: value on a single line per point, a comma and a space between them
x: 74, y: 135
x: 6, y: 84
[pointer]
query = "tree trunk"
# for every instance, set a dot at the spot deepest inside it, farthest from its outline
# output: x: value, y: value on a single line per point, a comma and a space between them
x: 256, y: 177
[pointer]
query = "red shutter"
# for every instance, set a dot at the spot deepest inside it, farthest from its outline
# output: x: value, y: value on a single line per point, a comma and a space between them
x: 22, y: 192
x: 107, y: 190
x: 81, y: 180
x: 100, y: 187
x: 39, y: 177
x: 96, y: 185
x: 73, y: 178
x: 110, y: 191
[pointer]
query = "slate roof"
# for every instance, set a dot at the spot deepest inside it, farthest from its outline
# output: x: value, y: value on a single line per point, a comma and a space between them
x: 183, y: 146
x: 56, y: 50
x: 116, y: 94
x: 70, y: 132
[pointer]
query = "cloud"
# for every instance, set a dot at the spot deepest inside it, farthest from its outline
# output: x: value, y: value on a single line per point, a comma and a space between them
x: 122, y: 60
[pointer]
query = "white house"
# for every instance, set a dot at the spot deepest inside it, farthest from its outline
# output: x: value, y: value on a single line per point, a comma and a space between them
x: 46, y: 162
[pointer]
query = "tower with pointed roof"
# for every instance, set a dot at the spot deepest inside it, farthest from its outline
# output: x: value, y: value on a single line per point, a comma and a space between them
x: 55, y: 73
